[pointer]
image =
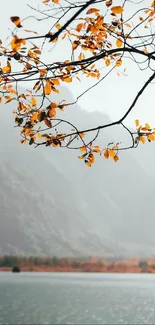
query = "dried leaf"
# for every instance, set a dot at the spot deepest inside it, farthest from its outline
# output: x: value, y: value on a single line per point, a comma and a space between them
x: 16, y: 21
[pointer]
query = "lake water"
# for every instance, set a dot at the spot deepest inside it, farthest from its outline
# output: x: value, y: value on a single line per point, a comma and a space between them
x: 59, y: 298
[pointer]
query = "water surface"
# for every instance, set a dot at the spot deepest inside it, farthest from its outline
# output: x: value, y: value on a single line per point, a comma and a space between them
x: 71, y: 298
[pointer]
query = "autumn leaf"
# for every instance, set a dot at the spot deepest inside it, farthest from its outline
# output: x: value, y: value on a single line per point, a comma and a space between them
x: 108, y: 3
x: 107, y: 62
x: 81, y: 135
x: 47, y: 87
x: 119, y: 42
x: 116, y: 158
x: 55, y: 1
x: 92, y: 11
x: 51, y: 111
x: 106, y: 153
x: 67, y: 79
x: 58, y: 26
x: 47, y: 122
x: 112, y: 153
x: 55, y: 82
x: 151, y: 137
x: 34, y: 116
x: 33, y: 101
x: 91, y: 158
x: 83, y: 149
x: 117, y: 10
x: 87, y: 163
x: 16, y: 21
x: 118, y: 63
x: 16, y: 43
x: 142, y: 139
x: 147, y: 126
x: 7, y: 68
x: 137, y: 123
x: 79, y: 27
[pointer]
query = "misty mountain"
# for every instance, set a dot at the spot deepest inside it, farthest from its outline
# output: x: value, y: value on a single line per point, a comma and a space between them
x: 51, y: 204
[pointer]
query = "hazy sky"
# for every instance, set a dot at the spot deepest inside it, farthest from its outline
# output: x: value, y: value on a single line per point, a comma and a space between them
x: 112, y: 96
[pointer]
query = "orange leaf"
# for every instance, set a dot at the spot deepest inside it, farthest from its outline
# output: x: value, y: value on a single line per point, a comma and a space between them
x: 47, y: 122
x: 67, y: 79
x: 52, y: 111
x: 33, y: 101
x: 92, y: 10
x: 117, y: 10
x: 47, y: 87
x: 91, y: 158
x: 107, y: 62
x: 34, y: 116
x: 137, y: 123
x: 142, y: 139
x: 81, y: 135
x: 87, y: 162
x: 112, y: 153
x: 118, y: 63
x: 55, y: 82
x: 150, y: 137
x: 116, y: 158
x: 119, y: 42
x: 147, y: 126
x: 83, y: 149
x: 16, y: 21
x: 106, y: 153
x: 79, y: 27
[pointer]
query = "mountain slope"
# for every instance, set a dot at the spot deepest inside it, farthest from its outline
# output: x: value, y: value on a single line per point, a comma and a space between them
x: 52, y: 204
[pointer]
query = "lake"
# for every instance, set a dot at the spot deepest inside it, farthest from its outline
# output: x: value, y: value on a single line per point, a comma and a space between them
x: 71, y: 298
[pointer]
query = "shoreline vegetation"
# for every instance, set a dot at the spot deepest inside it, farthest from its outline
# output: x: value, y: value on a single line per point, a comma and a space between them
x: 93, y: 264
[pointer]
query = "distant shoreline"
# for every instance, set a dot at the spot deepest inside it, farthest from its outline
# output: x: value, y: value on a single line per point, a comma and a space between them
x: 79, y: 270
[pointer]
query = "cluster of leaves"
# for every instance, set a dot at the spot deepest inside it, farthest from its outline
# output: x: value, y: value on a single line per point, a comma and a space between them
x: 99, y: 39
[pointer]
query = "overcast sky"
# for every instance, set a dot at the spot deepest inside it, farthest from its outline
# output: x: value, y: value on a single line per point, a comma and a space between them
x: 112, y: 96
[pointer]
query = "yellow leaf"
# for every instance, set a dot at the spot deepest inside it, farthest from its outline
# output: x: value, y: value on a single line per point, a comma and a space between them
x: 33, y: 101
x: 118, y: 63
x: 34, y: 116
x: 142, y: 139
x: 112, y: 153
x: 47, y: 87
x: 7, y: 68
x: 83, y: 149
x: 106, y: 153
x: 107, y: 62
x: 117, y: 10
x: 52, y: 111
x: 58, y: 26
x: 16, y: 21
x: 127, y: 25
x: 55, y: 82
x: 81, y: 135
x: 67, y: 79
x: 119, y: 42
x: 137, y: 123
x: 39, y: 136
x: 150, y: 137
x: 147, y: 126
x: 92, y: 10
